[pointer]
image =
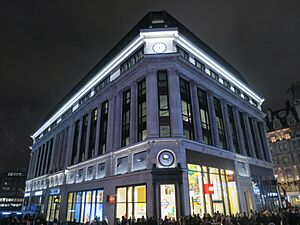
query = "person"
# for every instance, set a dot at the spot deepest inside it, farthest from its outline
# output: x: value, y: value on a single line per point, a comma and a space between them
x: 55, y: 222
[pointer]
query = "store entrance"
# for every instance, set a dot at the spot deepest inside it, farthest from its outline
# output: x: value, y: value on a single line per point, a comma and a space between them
x: 168, y: 201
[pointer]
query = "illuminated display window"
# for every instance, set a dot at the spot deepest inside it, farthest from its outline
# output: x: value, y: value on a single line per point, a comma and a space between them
x: 53, y: 207
x: 211, y: 190
x: 85, y: 206
x: 168, y: 201
x: 131, y: 202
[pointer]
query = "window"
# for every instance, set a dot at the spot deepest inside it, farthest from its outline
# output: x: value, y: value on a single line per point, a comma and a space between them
x: 50, y: 155
x: 186, y: 108
x: 163, y: 104
x: 244, y: 133
x: 75, y: 142
x: 253, y: 137
x: 100, y: 170
x: 262, y: 138
x: 83, y: 138
x: 226, y: 83
x: 168, y: 201
x: 85, y: 98
x: 142, y: 111
x: 140, y: 161
x: 122, y: 165
x: 214, y: 75
x: 204, y: 116
x: 233, y: 129
x: 126, y: 118
x: 103, y: 83
x: 220, y: 123
x: 103, y: 128
x: 92, y: 141
x: 184, y: 54
x: 199, y: 65
x: 132, y: 60
x: 131, y: 202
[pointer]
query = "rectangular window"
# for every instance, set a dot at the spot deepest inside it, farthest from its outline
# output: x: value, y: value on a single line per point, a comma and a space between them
x: 93, y: 129
x: 253, y: 137
x: 131, y: 201
x: 45, y: 158
x: 168, y: 201
x: 220, y: 123
x: 163, y: 104
x: 233, y: 129
x: 199, y: 65
x: 132, y: 60
x: 126, y: 118
x: 103, y: 128
x: 186, y: 108
x: 244, y: 133
x: 142, y: 111
x: 184, y: 54
x: 50, y: 155
x: 75, y: 142
x: 214, y: 75
x: 262, y: 137
x: 83, y: 138
x: 204, y: 116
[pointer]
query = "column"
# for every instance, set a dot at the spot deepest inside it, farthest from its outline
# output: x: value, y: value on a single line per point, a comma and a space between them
x: 110, y: 124
x: 213, y: 121
x: 175, y: 104
x: 88, y: 133
x: 152, y: 104
x: 239, y: 131
x: 133, y: 112
x: 118, y: 120
x: 265, y: 141
x: 227, y: 125
x: 196, y: 112
x: 249, y: 135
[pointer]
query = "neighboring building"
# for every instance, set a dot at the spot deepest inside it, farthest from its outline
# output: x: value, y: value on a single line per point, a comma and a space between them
x: 284, y: 141
x: 161, y: 126
x: 12, y: 185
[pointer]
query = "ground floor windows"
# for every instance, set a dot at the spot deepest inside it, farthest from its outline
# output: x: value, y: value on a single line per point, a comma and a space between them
x: 168, y: 201
x: 211, y: 190
x: 84, y: 206
x: 53, y: 207
x: 131, y: 202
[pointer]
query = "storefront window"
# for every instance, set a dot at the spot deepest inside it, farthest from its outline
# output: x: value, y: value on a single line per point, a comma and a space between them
x: 168, y: 201
x: 131, y: 202
x: 212, y: 190
x: 53, y: 207
x: 85, y: 206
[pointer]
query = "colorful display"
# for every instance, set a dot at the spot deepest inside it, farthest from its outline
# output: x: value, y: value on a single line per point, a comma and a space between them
x: 168, y: 201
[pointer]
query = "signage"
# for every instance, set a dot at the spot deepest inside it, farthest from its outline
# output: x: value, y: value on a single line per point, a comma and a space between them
x: 111, y: 198
x: 54, y: 191
x: 27, y: 195
x: 198, y: 200
x: 56, y: 200
x: 38, y: 193
x: 208, y: 189
x: 164, y: 203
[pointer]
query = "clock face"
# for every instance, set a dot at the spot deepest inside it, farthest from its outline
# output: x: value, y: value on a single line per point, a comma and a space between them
x: 166, y: 158
x: 159, y: 47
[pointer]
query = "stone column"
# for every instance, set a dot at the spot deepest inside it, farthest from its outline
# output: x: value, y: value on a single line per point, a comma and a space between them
x: 110, y: 124
x: 175, y: 104
x: 133, y: 113
x: 249, y: 135
x: 239, y: 131
x: 88, y: 133
x: 196, y: 113
x: 152, y: 104
x: 213, y: 120
x: 227, y: 126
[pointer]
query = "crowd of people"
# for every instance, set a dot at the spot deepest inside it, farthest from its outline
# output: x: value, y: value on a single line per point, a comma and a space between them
x: 289, y: 216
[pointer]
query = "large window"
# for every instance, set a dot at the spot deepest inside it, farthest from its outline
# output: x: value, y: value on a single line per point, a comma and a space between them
x: 233, y: 129
x: 126, y: 118
x: 142, y: 111
x: 244, y: 133
x: 186, y: 108
x: 83, y: 138
x: 211, y: 190
x: 220, y: 123
x: 92, y: 140
x: 262, y: 137
x: 168, y: 201
x: 204, y: 116
x: 131, y: 202
x: 253, y: 137
x: 53, y: 207
x: 75, y: 142
x: 84, y: 206
x: 163, y: 101
x: 103, y: 128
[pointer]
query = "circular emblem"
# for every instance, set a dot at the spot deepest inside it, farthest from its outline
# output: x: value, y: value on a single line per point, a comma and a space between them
x: 166, y: 158
x: 159, y: 47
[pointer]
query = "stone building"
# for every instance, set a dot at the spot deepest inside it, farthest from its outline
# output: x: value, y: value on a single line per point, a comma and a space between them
x: 161, y: 126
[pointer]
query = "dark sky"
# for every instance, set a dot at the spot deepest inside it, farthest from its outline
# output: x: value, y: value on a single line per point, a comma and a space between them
x: 46, y: 47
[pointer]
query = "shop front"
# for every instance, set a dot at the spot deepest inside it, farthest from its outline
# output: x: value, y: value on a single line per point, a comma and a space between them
x: 54, y: 200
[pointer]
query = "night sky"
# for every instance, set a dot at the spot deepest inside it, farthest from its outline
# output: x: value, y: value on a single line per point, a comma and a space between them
x: 46, y: 47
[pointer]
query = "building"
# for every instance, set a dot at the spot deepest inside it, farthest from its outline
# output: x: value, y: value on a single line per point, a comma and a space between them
x: 284, y: 141
x: 12, y: 186
x: 161, y: 126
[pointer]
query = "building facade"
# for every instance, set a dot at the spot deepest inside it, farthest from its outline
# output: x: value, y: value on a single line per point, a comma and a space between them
x: 284, y: 141
x: 162, y: 126
x: 12, y: 186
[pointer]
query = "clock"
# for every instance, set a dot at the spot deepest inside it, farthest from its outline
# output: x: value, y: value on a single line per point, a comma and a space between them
x: 159, y: 47
x: 166, y: 158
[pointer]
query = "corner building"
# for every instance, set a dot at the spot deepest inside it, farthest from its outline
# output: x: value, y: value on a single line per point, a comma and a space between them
x: 162, y: 126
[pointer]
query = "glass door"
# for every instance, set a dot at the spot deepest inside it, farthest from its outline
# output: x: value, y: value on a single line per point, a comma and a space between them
x: 168, y: 201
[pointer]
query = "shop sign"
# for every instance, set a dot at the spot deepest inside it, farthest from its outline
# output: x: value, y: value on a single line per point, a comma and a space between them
x: 164, y: 203
x: 198, y: 200
x: 208, y: 189
x: 56, y: 200
x: 27, y: 195
x: 38, y: 193
x: 111, y: 198
x: 54, y: 191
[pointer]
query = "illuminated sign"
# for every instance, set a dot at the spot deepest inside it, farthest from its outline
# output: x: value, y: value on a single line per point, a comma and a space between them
x: 111, y: 198
x: 56, y: 200
x: 38, y: 193
x: 209, y: 189
x: 54, y: 191
x: 27, y: 195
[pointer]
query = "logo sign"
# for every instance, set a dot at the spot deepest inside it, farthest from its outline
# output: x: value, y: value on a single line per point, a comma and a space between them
x: 38, y: 193
x: 27, y: 194
x: 164, y: 203
x: 111, y: 198
x: 198, y: 200
x: 208, y: 189
x: 54, y: 191
x: 56, y: 200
